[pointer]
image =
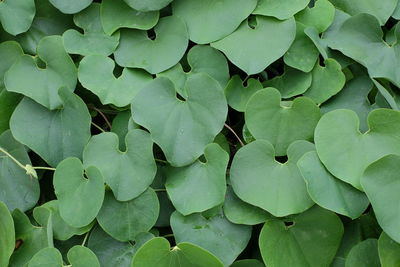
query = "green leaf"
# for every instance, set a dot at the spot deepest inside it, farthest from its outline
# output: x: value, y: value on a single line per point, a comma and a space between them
x: 238, y: 92
x: 389, y: 251
x: 261, y: 49
x: 202, y: 17
x: 40, y: 84
x: 18, y: 189
x: 328, y: 191
x: 198, y: 119
x: 55, y: 142
x: 80, y: 192
x: 240, y: 212
x: 320, y: 16
x: 345, y: 151
x: 258, y: 179
x: 327, y: 81
x: 381, y: 183
x: 149, y: 5
x: 158, y: 253
x: 247, y: 263
x: 116, y: 14
x: 96, y: 74
x: 80, y: 256
x: 129, y: 218
x: 7, y: 233
x: 311, y: 239
x: 128, y: 173
x: 280, y: 123
x: 279, y: 9
x: 137, y: 50
x: 46, y: 257
x: 216, y: 234
x: 201, y: 185
x: 16, y: 16
x: 70, y: 6
x: 364, y: 253
x: 93, y: 41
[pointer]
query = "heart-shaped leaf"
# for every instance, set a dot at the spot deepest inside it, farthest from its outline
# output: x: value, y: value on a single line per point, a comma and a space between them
x: 279, y: 9
x: 381, y: 183
x: 346, y: 152
x: 46, y: 257
x: 128, y: 173
x: 364, y: 253
x: 16, y: 16
x: 93, y: 40
x: 158, y: 253
x: 199, y: 186
x: 46, y: 135
x: 117, y: 14
x: 311, y: 239
x: 149, y: 5
x: 18, y: 189
x: 80, y: 198
x: 216, y: 234
x: 96, y: 74
x: 181, y: 128
x: 238, y: 92
x: 328, y: 191
x: 201, y: 17
x: 137, y: 50
x: 80, y: 256
x: 129, y: 217
x: 7, y: 233
x: 262, y: 50
x: 280, y: 123
x: 320, y: 16
x: 42, y: 84
x: 257, y: 178
x: 389, y: 251
x: 70, y: 6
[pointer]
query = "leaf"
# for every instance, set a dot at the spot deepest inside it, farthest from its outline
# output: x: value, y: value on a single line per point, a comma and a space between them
x: 96, y: 74
x: 345, y: 151
x: 46, y: 257
x: 157, y: 253
x: 286, y: 122
x: 258, y: 179
x: 216, y: 234
x: 262, y: 50
x: 80, y: 192
x: 389, y: 251
x: 381, y: 183
x: 149, y: 5
x: 364, y: 253
x: 328, y: 191
x: 137, y: 50
x: 201, y: 185
x: 311, y: 239
x: 198, y: 119
x: 70, y: 6
x: 55, y: 142
x: 238, y: 92
x: 7, y: 233
x: 127, y: 173
x: 129, y: 217
x: 240, y: 212
x: 201, y: 17
x: 327, y: 81
x: 278, y: 9
x: 247, y: 263
x: 93, y: 41
x: 16, y: 16
x: 18, y: 190
x: 116, y: 14
x: 80, y: 256
x: 40, y: 84
x: 320, y: 16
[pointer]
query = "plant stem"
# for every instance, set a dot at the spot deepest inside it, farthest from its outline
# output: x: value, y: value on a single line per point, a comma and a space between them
x: 160, y: 190
x: 104, y: 117
x: 98, y: 127
x: 161, y: 161
x: 13, y: 159
x: 85, y: 238
x: 168, y: 235
x: 44, y: 168
x: 234, y: 133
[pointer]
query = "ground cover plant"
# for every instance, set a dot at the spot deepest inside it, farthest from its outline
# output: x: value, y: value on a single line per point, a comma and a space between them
x: 188, y: 133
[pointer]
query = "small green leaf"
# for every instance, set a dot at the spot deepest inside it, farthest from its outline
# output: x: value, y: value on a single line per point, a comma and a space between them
x: 279, y: 9
x: 389, y: 251
x: 364, y: 253
x: 238, y: 92
x: 7, y: 233
x: 70, y: 6
x: 80, y: 256
x: 320, y: 16
x: 16, y: 16
x: 46, y: 257
x: 247, y: 263
x: 148, y: 5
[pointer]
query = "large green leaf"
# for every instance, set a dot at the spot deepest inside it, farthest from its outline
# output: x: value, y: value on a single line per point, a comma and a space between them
x: 389, y: 251
x: 7, y: 233
x: 279, y: 9
x: 345, y: 151
x: 42, y: 84
x: 308, y: 239
x: 16, y: 16
x: 202, y: 17
x: 257, y: 178
x: 262, y: 49
x: 281, y: 123
x: 128, y: 173
x: 181, y: 128
x: 216, y: 234
x: 364, y: 253
x: 53, y: 134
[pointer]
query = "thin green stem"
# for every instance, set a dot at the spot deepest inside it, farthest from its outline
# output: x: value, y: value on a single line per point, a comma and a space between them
x: 234, y: 133
x: 44, y: 168
x: 85, y: 238
x: 161, y: 161
x: 98, y: 127
x: 11, y: 157
x: 168, y: 235
x: 160, y: 190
